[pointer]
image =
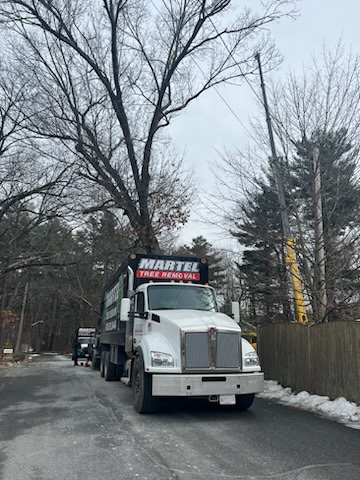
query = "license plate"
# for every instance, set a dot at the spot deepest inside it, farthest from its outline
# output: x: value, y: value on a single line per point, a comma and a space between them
x: 227, y: 400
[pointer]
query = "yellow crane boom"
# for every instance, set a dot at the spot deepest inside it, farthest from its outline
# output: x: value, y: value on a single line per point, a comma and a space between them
x: 292, y: 264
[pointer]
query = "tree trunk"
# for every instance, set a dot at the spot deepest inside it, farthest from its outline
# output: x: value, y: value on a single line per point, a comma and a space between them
x: 319, y: 267
x: 148, y: 240
x: 21, y: 325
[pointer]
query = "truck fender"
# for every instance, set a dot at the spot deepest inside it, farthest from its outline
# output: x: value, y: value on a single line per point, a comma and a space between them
x: 154, y: 342
x: 246, y: 346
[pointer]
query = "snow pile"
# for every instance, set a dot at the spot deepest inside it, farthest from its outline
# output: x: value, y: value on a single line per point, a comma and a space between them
x: 339, y: 409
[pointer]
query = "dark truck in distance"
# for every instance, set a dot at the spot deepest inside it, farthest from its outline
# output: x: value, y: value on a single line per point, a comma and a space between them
x: 161, y: 332
x: 83, y: 344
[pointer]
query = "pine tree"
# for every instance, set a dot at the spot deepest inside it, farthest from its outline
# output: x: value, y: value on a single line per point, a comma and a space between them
x: 340, y: 199
x: 201, y: 248
x: 262, y: 271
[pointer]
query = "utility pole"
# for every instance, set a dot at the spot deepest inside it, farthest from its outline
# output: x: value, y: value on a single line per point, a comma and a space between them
x: 22, y: 315
x: 321, y: 303
x: 274, y: 159
x: 291, y: 261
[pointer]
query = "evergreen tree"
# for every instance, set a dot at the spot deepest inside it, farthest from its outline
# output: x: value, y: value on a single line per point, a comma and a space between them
x: 65, y: 272
x: 340, y: 201
x: 262, y: 272
x: 259, y: 230
x: 201, y: 248
x: 108, y: 241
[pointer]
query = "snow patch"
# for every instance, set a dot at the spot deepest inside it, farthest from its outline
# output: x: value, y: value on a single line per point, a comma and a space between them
x: 339, y: 409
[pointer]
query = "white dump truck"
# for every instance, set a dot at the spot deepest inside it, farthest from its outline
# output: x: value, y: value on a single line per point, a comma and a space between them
x: 161, y: 332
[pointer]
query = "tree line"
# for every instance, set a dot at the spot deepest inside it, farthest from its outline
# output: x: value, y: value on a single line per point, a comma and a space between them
x: 87, y: 91
x: 88, y: 173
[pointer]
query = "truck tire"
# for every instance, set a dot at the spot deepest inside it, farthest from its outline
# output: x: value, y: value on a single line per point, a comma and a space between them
x: 243, y: 402
x: 119, y: 370
x: 95, y: 361
x: 141, y: 383
x: 120, y: 367
x: 109, y: 368
x: 102, y: 363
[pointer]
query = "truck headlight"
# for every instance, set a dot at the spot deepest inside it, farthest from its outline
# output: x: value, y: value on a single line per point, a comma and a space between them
x: 251, y: 359
x: 159, y: 359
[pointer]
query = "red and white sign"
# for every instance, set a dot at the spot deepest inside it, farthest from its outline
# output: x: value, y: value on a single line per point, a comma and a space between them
x: 165, y: 275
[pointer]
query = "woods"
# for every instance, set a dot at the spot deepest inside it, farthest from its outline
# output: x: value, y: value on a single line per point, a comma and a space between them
x: 94, y: 92
x: 88, y: 172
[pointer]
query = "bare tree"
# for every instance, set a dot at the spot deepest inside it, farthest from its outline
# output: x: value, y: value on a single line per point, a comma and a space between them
x: 30, y: 188
x: 17, y: 169
x: 320, y: 110
x: 111, y: 74
x: 30, y: 182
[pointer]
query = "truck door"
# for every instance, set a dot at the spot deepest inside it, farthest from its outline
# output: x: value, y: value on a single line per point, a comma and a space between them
x: 139, y: 318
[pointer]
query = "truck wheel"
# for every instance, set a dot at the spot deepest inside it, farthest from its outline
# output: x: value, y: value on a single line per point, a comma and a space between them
x: 95, y: 361
x: 141, y: 383
x: 243, y: 402
x: 119, y: 370
x: 109, y: 368
x: 102, y: 363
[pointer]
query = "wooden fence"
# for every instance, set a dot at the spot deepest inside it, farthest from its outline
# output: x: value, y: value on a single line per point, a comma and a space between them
x: 322, y: 359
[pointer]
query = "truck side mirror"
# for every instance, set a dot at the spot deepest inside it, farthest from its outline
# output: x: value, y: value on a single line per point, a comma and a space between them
x: 124, y: 309
x: 235, y: 310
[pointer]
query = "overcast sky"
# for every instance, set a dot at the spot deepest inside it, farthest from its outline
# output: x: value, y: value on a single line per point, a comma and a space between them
x: 208, y: 125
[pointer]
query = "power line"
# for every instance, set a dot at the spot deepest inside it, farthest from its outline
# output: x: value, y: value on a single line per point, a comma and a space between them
x: 214, y: 87
x: 244, y: 76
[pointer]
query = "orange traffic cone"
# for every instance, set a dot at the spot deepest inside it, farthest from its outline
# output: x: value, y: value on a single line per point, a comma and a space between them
x: 87, y: 363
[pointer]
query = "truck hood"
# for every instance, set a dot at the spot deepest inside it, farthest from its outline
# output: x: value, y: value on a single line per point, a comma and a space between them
x: 196, y: 319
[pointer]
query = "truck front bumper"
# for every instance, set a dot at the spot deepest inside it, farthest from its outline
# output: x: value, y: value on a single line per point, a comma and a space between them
x: 198, y: 385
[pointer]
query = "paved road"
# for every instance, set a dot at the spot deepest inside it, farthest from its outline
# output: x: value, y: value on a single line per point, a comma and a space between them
x: 62, y: 422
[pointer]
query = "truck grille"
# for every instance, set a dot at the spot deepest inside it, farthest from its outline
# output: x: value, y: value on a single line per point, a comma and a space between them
x: 218, y: 351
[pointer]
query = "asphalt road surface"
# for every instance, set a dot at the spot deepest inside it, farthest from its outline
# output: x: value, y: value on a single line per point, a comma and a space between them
x: 62, y: 422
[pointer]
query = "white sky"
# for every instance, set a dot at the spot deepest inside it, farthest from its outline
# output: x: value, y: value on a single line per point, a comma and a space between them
x: 208, y: 125
x: 339, y: 409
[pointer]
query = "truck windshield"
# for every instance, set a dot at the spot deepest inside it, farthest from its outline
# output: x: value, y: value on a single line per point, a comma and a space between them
x: 169, y: 297
x: 86, y: 340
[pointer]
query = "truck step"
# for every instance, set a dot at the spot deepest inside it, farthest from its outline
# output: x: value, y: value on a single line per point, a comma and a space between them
x: 127, y: 373
x: 125, y: 380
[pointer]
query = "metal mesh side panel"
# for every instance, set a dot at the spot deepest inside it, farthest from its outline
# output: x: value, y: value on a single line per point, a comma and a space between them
x: 227, y: 350
x: 197, y: 350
